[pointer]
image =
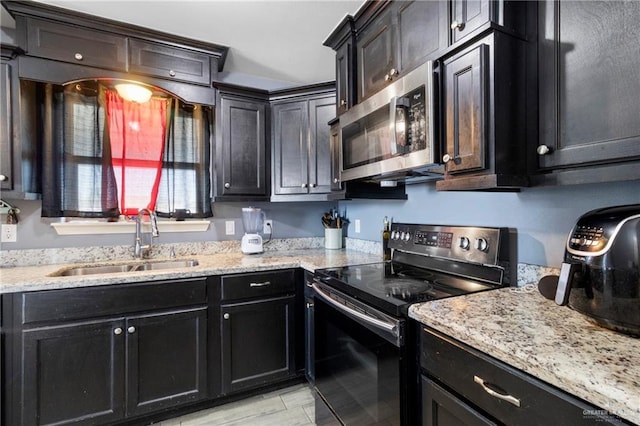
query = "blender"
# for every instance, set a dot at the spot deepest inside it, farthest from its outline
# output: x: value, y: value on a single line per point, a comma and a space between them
x: 252, y: 220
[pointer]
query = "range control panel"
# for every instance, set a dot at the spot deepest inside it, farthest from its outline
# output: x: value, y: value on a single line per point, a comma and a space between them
x: 465, y: 243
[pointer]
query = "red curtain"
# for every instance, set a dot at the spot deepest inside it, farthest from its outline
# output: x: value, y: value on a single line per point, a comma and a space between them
x: 136, y: 134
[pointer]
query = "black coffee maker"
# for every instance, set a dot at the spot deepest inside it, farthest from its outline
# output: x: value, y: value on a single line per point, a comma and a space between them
x: 600, y: 276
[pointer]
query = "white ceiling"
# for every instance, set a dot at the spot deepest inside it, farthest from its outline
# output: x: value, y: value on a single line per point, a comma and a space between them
x: 276, y: 43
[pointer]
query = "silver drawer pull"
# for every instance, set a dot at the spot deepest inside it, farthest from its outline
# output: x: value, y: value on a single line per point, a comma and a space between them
x: 510, y: 399
x: 262, y: 284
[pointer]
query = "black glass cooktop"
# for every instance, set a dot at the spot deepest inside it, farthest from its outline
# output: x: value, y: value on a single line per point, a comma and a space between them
x: 392, y: 287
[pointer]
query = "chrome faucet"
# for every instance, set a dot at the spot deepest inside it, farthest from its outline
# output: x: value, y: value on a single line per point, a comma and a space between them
x: 140, y: 250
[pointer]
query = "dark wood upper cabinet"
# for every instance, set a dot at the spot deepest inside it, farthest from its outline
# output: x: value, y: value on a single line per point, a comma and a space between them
x: 70, y: 43
x: 400, y: 37
x: 169, y: 62
x: 589, y: 89
x: 343, y: 41
x: 240, y: 154
x: 301, y: 142
x: 485, y: 120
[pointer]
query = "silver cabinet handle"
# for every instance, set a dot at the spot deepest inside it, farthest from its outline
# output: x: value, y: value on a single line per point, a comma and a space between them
x: 227, y: 185
x: 131, y: 330
x: 262, y: 284
x: 309, y: 305
x: 543, y: 150
x: 117, y: 331
x: 336, y: 180
x: 78, y: 56
x: 343, y: 103
x: 172, y: 73
x: 3, y: 178
x: 393, y: 72
x: 455, y: 25
x: 304, y: 185
x: 226, y: 316
x: 510, y: 399
x: 313, y: 185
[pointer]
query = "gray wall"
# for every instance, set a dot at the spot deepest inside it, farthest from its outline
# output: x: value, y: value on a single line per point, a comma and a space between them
x: 289, y: 220
x: 541, y: 217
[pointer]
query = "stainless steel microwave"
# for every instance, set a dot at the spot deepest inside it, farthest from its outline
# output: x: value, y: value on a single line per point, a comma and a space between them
x: 391, y: 134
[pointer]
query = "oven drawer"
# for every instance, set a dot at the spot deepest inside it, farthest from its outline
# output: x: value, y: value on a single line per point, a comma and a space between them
x: 257, y: 285
x: 517, y: 397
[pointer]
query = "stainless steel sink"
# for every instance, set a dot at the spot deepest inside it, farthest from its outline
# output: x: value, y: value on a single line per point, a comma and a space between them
x: 126, y: 267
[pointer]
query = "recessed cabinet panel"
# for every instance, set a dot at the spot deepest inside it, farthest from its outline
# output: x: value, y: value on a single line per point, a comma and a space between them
x: 467, y: 16
x: 589, y: 84
x: 291, y: 148
x: 376, y: 56
x: 241, y: 148
x: 256, y: 343
x: 422, y: 31
x: 466, y: 110
x: 320, y: 173
x: 168, y: 62
x: 73, y: 374
x: 77, y: 45
x: 6, y: 128
x: 170, y: 363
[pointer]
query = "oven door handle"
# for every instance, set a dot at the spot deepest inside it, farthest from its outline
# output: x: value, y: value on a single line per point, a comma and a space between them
x: 388, y: 327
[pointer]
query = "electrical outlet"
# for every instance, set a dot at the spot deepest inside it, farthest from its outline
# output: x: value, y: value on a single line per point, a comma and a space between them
x: 9, y: 233
x: 230, y: 227
x: 267, y: 227
x: 356, y: 225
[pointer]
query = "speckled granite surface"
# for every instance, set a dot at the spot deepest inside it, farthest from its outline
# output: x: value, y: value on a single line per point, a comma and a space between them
x: 32, y: 278
x: 550, y: 342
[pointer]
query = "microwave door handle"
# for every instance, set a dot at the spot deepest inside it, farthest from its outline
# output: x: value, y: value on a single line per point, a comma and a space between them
x: 395, y: 104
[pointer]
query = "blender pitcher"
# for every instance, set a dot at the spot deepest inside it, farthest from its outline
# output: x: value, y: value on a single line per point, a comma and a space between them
x: 252, y: 220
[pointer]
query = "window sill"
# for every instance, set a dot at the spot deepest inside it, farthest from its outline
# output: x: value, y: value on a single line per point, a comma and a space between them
x: 94, y: 227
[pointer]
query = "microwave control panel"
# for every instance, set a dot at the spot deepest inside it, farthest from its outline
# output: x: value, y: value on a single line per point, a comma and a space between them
x: 410, y: 125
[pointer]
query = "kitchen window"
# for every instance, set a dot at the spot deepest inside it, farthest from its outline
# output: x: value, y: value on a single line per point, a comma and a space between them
x: 89, y: 171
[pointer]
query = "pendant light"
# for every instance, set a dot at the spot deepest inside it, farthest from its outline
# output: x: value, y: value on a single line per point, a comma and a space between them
x: 133, y: 92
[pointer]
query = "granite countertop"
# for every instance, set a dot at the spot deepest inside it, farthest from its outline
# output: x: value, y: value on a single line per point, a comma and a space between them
x: 34, y: 278
x: 553, y: 343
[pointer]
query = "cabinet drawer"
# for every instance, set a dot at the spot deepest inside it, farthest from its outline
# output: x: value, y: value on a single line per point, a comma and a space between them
x: 461, y: 368
x: 257, y: 285
x: 168, y: 62
x: 92, y: 302
x: 78, y: 45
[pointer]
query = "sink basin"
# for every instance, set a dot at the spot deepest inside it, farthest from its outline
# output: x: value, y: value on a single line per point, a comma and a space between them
x: 126, y: 267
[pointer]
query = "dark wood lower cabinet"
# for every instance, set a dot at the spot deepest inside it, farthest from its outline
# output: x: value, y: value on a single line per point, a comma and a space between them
x: 256, y: 343
x: 442, y: 408
x: 73, y: 374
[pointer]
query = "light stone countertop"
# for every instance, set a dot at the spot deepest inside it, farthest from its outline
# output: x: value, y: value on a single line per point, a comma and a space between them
x: 35, y: 278
x: 553, y: 343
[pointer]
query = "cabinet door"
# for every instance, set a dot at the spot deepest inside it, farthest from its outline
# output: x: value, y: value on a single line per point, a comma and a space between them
x: 421, y: 30
x: 241, y: 150
x: 168, y: 62
x: 441, y: 408
x: 344, y: 76
x: 82, y: 46
x: 291, y: 148
x: 6, y: 128
x: 320, y: 170
x: 377, y: 62
x: 167, y: 362
x: 467, y: 16
x: 73, y: 374
x: 257, y: 343
x: 466, y: 110
x: 336, y: 183
x: 589, y: 85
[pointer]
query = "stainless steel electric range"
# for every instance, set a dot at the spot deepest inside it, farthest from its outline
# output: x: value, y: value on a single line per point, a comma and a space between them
x: 363, y: 357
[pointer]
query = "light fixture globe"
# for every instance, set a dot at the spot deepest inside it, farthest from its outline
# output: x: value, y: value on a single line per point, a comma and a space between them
x: 133, y: 92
